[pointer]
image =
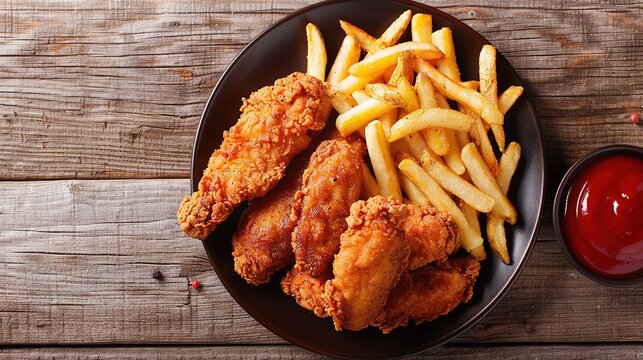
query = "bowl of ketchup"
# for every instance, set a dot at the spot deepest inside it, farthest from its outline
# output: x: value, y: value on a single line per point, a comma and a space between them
x: 598, y: 215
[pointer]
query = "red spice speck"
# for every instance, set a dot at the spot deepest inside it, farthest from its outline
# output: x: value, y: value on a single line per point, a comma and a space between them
x: 635, y: 118
x: 196, y: 284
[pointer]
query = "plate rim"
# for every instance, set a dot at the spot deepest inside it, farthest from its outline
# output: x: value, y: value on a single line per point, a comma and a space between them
x: 443, y: 339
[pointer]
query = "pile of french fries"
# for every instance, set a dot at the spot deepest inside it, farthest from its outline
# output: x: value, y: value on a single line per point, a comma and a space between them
x: 422, y: 150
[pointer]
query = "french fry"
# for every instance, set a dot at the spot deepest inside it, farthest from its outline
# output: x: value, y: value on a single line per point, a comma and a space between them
x: 352, y: 83
x: 435, y: 138
x: 454, y: 90
x: 425, y: 92
x: 507, y: 165
x: 421, y: 28
x: 361, y: 115
x: 416, y: 145
x: 481, y: 139
x: 489, y: 88
x: 403, y: 68
x: 407, y: 92
x: 414, y: 193
x: 338, y: 99
x: 364, y: 40
x: 471, y: 84
x: 457, y: 186
x: 399, y: 147
x: 495, y: 225
x: 385, y: 93
x: 471, y: 240
x: 383, y: 165
x: 508, y: 98
x: 425, y: 118
x: 485, y: 181
x: 387, y: 57
x: 392, y: 34
x: 348, y: 54
x: 497, y: 237
x: 316, y: 58
x: 388, y: 119
x: 452, y: 158
x: 369, y: 184
x: 472, y: 216
x: 443, y: 39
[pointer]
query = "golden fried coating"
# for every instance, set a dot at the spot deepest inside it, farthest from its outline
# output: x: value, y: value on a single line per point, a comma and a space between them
x: 431, y: 235
x: 371, y: 258
x: 275, y: 125
x: 428, y: 292
x: 261, y: 244
x: 332, y: 182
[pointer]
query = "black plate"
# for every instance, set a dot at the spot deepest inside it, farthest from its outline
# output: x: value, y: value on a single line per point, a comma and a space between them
x: 281, y: 50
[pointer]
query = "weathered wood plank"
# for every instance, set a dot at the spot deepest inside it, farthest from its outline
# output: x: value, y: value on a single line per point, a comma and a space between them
x: 77, y: 257
x: 566, y: 352
x: 91, y: 90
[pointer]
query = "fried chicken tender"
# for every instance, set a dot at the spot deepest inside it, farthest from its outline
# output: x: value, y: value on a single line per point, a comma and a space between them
x: 331, y: 183
x: 275, y: 125
x: 261, y: 244
x: 371, y: 258
x: 428, y: 292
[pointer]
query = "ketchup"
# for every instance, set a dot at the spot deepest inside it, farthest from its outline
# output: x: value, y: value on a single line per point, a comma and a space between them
x: 603, y: 218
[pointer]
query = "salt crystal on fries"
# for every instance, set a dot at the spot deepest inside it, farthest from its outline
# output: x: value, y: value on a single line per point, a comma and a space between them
x: 425, y: 118
x: 387, y: 57
x: 385, y: 93
x: 348, y: 54
x: 471, y: 240
x: 485, y: 181
x: 382, y: 161
x: 316, y: 58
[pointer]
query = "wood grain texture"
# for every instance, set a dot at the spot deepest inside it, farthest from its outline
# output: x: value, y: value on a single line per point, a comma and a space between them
x: 464, y: 352
x: 77, y: 257
x: 97, y: 90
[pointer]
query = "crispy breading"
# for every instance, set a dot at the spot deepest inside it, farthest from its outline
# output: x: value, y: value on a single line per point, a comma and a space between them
x: 372, y: 256
x: 275, y: 125
x: 428, y: 292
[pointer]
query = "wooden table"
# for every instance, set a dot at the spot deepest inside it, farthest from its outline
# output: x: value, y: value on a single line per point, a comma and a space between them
x: 99, y: 106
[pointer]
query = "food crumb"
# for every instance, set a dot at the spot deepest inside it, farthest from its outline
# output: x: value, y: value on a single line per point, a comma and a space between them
x: 158, y: 275
x: 195, y: 284
x: 635, y: 118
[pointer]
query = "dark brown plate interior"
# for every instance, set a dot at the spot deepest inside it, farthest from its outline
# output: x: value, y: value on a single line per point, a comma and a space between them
x: 281, y: 50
